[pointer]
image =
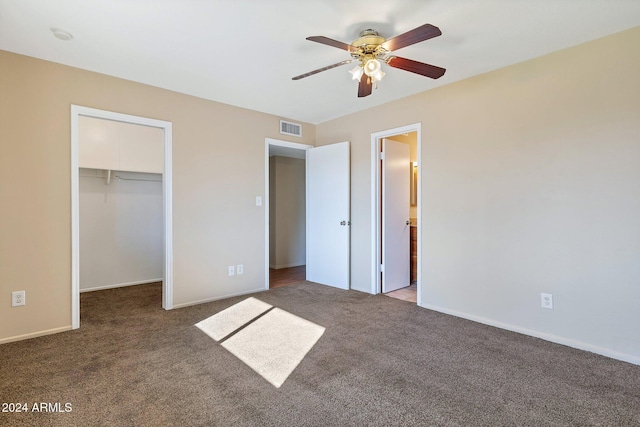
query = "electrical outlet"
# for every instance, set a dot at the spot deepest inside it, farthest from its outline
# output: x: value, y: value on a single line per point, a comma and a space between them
x: 18, y: 298
x: 546, y: 301
x: 239, y: 269
x: 232, y: 270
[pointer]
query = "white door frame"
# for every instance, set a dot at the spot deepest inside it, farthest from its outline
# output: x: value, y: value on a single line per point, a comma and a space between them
x: 167, y: 283
x: 267, y: 143
x: 376, y: 249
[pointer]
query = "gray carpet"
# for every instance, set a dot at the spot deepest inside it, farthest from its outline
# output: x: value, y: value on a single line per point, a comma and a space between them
x: 380, y: 362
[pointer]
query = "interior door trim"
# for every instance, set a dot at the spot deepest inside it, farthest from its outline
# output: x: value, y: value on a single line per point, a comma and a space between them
x: 376, y: 137
x: 167, y: 195
x: 267, y: 143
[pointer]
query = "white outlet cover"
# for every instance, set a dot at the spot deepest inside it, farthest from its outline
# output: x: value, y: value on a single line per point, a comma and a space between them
x: 546, y: 301
x: 232, y: 270
x: 18, y: 298
x: 239, y: 269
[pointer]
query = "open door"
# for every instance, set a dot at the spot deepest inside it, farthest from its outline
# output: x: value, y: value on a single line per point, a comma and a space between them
x: 395, y: 215
x: 328, y: 216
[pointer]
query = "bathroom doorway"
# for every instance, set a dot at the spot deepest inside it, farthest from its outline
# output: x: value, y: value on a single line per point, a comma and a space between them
x: 396, y: 216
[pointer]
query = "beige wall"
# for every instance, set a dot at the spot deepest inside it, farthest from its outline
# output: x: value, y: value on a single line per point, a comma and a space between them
x: 218, y: 170
x: 530, y: 184
x: 287, y: 220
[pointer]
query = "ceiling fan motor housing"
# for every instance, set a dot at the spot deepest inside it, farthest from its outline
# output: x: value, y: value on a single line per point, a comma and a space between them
x: 368, y: 44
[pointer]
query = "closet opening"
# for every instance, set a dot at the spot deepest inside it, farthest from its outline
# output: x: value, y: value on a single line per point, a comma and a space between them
x: 121, y: 233
x: 121, y: 203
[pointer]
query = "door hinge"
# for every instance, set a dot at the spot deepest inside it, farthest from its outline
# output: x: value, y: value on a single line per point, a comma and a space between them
x: 381, y: 268
x: 382, y: 155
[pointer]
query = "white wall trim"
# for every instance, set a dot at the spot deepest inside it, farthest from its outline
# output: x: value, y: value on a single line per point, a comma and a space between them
x: 35, y: 334
x: 265, y: 202
x: 634, y: 359
x: 279, y: 266
x: 287, y: 144
x: 375, y: 203
x: 167, y: 285
x: 204, y: 301
x: 120, y: 285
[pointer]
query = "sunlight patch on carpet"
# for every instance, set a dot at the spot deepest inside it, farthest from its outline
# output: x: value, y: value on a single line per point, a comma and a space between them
x: 274, y: 344
x: 233, y: 318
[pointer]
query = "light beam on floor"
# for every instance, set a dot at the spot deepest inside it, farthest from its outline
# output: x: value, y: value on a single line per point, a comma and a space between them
x: 272, y: 344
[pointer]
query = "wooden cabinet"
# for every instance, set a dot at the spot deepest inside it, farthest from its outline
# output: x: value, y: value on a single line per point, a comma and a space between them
x: 413, y: 253
x: 112, y: 145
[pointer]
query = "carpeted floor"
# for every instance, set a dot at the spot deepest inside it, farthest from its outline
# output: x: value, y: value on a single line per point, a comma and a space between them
x: 380, y: 362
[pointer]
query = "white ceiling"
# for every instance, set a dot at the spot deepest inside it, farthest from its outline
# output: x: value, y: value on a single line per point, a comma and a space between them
x: 244, y: 52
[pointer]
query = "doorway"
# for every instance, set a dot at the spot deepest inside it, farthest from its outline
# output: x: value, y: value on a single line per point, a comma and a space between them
x: 167, y: 265
x: 285, y: 212
x: 327, y: 211
x: 388, y: 227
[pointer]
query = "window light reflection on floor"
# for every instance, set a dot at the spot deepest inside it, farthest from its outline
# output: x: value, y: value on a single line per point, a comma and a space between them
x: 271, y: 341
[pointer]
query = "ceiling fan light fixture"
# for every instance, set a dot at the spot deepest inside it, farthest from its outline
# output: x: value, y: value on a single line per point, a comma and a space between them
x: 372, y: 67
x: 356, y: 72
x: 377, y: 76
x: 370, y: 49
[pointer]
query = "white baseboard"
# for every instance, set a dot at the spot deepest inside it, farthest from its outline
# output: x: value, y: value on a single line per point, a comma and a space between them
x: 35, y: 334
x: 203, y: 301
x: 120, y: 285
x: 630, y: 358
x: 279, y: 266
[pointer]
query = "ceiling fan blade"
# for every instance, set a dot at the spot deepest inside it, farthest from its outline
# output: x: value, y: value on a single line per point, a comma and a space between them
x: 332, y: 42
x: 328, y: 67
x: 424, y: 32
x: 364, y: 87
x: 416, y: 67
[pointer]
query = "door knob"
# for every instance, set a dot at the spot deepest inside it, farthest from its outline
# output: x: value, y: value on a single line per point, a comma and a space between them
x: 408, y: 222
x: 345, y: 222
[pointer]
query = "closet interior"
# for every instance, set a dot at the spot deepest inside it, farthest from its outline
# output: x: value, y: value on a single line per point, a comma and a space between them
x: 120, y: 203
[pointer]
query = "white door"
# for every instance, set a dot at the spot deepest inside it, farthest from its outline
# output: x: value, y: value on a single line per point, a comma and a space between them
x: 396, y: 177
x: 328, y: 215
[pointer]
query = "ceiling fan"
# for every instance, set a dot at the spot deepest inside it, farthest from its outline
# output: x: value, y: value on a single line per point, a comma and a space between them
x: 370, y: 48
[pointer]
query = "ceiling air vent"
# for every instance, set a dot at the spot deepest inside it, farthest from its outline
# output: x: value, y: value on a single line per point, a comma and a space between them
x: 288, y: 128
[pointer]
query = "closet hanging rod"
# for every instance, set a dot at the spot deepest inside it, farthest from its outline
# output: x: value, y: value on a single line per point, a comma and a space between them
x: 119, y: 177
x: 138, y: 179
